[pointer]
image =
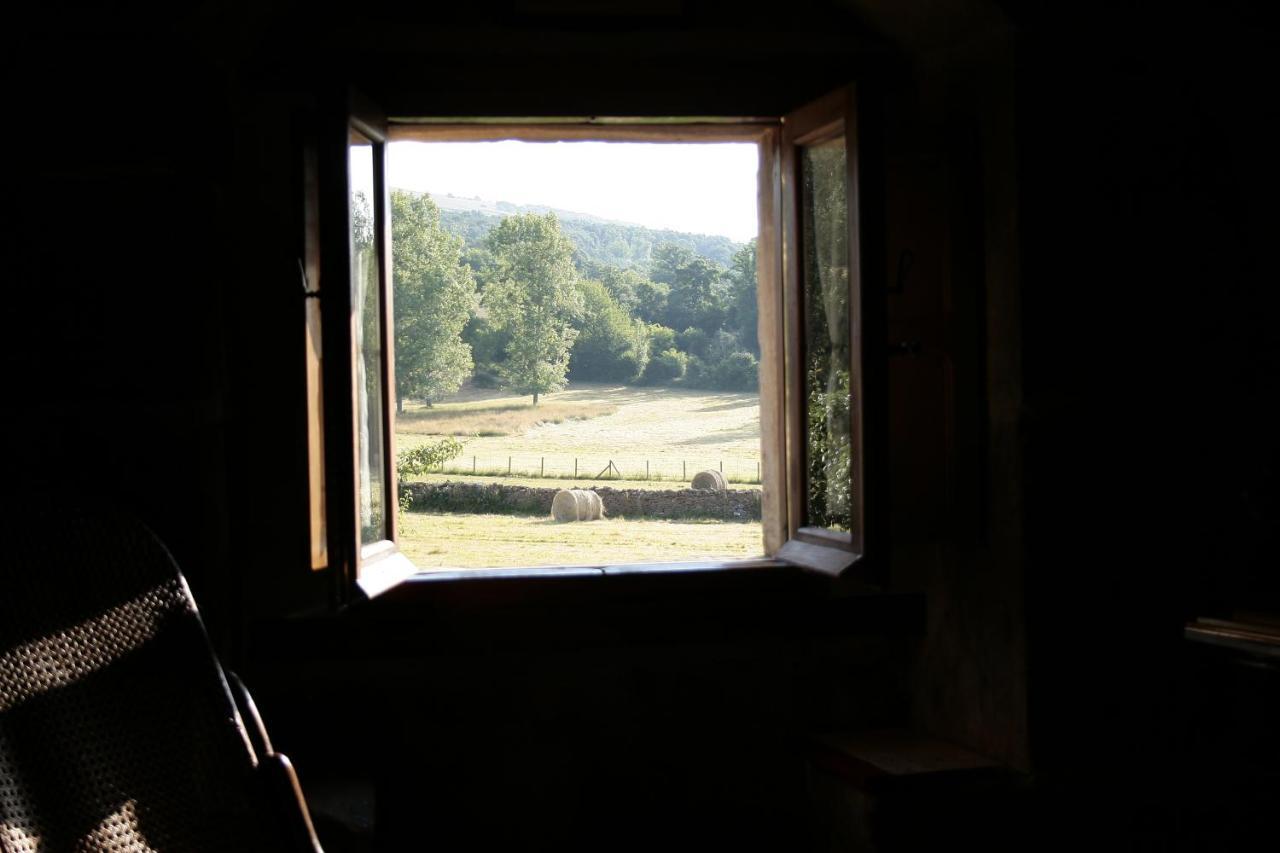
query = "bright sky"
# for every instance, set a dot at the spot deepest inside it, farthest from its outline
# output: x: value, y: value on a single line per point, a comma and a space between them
x: 702, y: 188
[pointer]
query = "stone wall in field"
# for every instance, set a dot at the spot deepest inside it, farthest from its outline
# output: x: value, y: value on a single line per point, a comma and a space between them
x: 731, y: 505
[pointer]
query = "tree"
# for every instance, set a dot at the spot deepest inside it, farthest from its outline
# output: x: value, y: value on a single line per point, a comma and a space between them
x: 532, y: 296
x: 435, y: 294
x: 611, y: 345
x: 697, y: 296
x: 744, y: 306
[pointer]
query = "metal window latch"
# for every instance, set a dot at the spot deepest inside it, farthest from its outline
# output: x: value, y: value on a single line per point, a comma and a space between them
x: 307, y: 292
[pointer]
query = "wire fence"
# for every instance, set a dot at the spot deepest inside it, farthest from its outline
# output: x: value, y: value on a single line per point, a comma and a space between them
x: 559, y: 466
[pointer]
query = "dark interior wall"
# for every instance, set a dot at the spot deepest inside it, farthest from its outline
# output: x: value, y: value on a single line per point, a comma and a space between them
x: 1146, y: 187
x: 955, y: 381
x: 1150, y: 352
x: 1087, y: 199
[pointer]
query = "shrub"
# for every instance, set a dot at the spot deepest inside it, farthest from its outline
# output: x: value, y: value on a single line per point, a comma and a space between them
x: 738, y: 372
x: 665, y: 367
x: 694, y: 341
x: 696, y: 375
x: 424, y: 457
x: 661, y: 338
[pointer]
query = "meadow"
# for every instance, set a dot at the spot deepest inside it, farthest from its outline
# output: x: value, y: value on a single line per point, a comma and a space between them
x: 656, y: 438
x: 676, y: 432
x: 457, y: 540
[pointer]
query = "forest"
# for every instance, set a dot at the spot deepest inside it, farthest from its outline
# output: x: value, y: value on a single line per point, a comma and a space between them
x: 527, y: 302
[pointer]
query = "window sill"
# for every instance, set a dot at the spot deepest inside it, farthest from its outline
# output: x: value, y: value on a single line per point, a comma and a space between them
x: 571, y: 583
x: 582, y: 607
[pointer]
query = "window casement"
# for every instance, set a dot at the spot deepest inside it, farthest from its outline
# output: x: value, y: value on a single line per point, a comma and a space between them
x: 834, y: 347
x: 356, y: 523
x: 817, y: 336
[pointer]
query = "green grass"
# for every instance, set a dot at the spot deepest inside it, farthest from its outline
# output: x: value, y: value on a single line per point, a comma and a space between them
x: 667, y: 434
x: 550, y: 482
x: 499, y: 417
x: 457, y: 540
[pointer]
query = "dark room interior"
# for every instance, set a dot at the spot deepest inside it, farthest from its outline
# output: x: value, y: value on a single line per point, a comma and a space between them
x: 1072, y: 640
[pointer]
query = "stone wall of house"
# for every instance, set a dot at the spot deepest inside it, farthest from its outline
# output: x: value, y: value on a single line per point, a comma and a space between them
x: 452, y: 496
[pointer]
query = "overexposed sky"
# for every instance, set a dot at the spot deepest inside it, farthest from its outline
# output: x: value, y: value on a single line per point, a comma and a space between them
x: 702, y: 188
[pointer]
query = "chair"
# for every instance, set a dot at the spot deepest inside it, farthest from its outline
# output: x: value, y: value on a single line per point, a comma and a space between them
x: 119, y: 730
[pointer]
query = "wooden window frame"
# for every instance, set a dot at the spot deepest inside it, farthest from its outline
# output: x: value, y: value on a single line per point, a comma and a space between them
x: 859, y: 551
x: 358, y: 569
x: 364, y: 571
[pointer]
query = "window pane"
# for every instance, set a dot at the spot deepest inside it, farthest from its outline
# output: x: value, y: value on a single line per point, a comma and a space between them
x: 366, y: 308
x: 825, y: 266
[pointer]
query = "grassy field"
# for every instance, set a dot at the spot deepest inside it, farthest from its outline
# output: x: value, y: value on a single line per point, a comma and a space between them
x: 676, y: 432
x: 565, y: 482
x: 489, y: 417
x: 455, y: 540
x: 670, y: 433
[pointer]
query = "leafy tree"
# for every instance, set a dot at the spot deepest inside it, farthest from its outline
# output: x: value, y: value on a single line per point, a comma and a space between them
x: 651, y: 300
x: 610, y: 345
x: 532, y: 296
x: 698, y: 291
x: 743, y: 305
x: 621, y: 284
x: 435, y: 295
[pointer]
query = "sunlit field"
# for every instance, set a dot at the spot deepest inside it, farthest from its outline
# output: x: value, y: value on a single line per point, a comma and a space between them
x: 456, y: 540
x: 657, y: 438
x: 555, y: 482
x: 676, y: 432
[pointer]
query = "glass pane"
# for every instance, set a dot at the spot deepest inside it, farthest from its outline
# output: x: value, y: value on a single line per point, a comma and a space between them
x: 367, y: 331
x: 825, y: 264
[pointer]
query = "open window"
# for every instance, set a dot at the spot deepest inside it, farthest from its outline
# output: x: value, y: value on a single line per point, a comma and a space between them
x: 814, y: 315
x: 830, y: 357
x: 353, y: 493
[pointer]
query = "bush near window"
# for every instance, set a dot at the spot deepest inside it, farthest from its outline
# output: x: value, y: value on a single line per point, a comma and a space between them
x: 420, y: 460
x: 425, y: 457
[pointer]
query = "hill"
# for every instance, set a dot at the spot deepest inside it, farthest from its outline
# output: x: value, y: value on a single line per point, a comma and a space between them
x: 596, y: 240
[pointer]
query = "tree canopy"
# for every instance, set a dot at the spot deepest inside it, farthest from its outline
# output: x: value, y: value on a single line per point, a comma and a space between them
x: 523, y: 310
x: 533, y: 297
x: 611, y: 345
x: 434, y: 296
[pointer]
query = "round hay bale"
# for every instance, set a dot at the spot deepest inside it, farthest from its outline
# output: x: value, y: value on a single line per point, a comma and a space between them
x: 595, y: 508
x: 564, y: 506
x: 712, y: 480
x: 584, y: 504
x: 576, y: 505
